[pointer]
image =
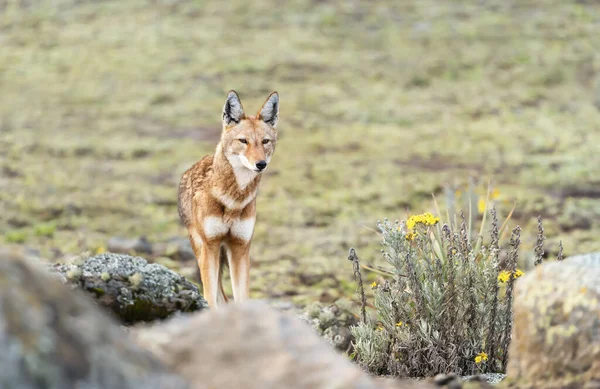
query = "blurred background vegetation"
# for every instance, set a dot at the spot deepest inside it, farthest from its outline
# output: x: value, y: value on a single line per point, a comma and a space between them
x: 104, y: 104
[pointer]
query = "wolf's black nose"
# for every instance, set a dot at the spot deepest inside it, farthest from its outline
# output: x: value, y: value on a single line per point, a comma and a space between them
x: 261, y: 165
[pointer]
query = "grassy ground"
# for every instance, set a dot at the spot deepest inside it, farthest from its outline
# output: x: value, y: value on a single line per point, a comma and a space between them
x: 104, y: 104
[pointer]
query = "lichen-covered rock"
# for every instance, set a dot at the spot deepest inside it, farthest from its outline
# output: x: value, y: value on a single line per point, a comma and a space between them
x: 332, y: 323
x: 251, y: 345
x: 132, y: 288
x: 54, y: 338
x: 556, y: 332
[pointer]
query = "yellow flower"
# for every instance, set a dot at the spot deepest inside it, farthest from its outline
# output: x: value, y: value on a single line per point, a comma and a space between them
x: 374, y: 285
x: 380, y: 328
x: 495, y: 194
x: 481, y: 205
x: 425, y: 218
x: 410, y: 236
x: 518, y: 273
x: 504, y: 276
x: 399, y: 324
x: 481, y: 357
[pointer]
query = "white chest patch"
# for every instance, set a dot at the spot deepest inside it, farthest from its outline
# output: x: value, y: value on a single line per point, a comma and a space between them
x: 243, y: 229
x: 214, y: 227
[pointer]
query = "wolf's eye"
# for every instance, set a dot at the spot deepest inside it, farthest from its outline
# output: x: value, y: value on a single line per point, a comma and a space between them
x: 244, y: 141
x: 265, y: 141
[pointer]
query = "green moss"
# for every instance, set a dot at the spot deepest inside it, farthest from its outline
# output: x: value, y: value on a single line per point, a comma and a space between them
x: 16, y: 236
x: 142, y: 310
x: 45, y: 229
x: 98, y: 291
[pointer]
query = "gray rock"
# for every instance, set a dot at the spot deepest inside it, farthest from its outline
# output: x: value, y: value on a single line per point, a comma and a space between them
x: 132, y: 288
x: 452, y: 380
x: 444, y: 379
x: 181, y: 249
x: 479, y: 381
x: 250, y: 345
x: 592, y: 259
x: 490, y: 378
x: 176, y: 248
x: 332, y: 323
x: 54, y: 338
x: 127, y: 246
x: 556, y: 331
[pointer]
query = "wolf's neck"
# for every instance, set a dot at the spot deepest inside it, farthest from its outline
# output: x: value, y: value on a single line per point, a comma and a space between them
x: 244, y: 177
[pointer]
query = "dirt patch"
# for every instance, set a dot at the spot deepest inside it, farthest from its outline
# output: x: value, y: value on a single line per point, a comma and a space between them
x: 580, y: 192
x: 434, y: 163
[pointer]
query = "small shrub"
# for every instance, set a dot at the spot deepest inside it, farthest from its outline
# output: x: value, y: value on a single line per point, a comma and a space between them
x: 447, y: 306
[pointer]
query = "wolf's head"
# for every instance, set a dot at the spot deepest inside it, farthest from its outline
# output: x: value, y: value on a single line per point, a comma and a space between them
x: 249, y: 141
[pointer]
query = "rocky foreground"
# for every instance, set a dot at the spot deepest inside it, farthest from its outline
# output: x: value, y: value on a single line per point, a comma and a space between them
x: 52, y: 336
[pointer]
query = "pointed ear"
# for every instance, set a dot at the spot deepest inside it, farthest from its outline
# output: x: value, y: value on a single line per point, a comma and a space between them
x: 233, y: 111
x: 269, y: 112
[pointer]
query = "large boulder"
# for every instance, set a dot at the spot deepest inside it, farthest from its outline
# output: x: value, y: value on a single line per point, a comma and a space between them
x: 55, y: 338
x: 556, y: 332
x: 132, y: 288
x: 251, y: 345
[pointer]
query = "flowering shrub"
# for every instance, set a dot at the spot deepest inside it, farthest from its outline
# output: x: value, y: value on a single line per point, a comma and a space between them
x: 446, y: 305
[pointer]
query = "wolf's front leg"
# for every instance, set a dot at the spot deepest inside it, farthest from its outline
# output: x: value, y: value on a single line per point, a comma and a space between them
x: 239, y: 268
x: 209, y: 264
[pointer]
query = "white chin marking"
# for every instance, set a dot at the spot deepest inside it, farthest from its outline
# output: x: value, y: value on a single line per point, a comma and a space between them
x: 243, y: 229
x: 214, y: 227
x: 245, y: 173
x: 246, y: 163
